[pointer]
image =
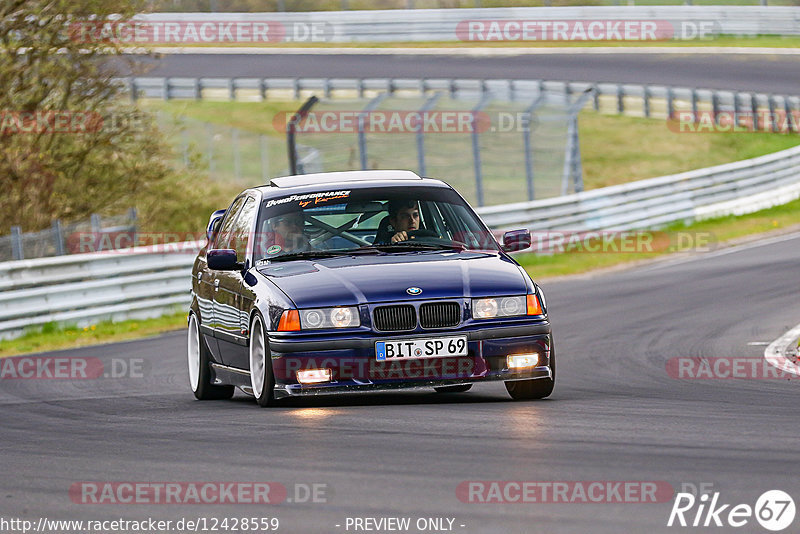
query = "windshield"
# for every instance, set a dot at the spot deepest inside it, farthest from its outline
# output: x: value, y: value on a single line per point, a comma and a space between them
x: 395, y: 219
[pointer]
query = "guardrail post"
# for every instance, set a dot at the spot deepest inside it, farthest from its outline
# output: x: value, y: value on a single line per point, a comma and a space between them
x: 96, y: 223
x: 198, y: 92
x: 262, y: 88
x: 647, y: 101
x: 596, y: 97
x: 694, y: 104
x: 737, y: 108
x: 297, y: 88
x: 670, y: 103
x: 16, y: 243
x: 773, y: 122
x: 790, y: 122
x: 754, y: 111
x: 132, y: 89
x: 326, y: 87
x: 453, y: 89
x: 166, y: 89
x: 620, y: 99
x: 58, y: 238
x: 715, y: 106
x: 360, y: 86
x: 232, y: 89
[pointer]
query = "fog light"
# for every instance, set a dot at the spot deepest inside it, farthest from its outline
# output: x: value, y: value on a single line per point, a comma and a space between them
x: 520, y: 361
x: 314, y: 376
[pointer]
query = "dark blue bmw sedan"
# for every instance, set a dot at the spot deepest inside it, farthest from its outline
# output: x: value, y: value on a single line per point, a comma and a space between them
x: 362, y: 281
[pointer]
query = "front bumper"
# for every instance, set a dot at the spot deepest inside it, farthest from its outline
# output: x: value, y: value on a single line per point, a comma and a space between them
x: 354, y: 366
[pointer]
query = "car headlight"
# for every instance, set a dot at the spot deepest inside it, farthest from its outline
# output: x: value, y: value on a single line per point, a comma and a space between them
x: 329, y: 318
x: 505, y: 307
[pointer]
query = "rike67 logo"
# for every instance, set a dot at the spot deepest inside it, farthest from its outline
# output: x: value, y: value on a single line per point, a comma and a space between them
x: 774, y: 510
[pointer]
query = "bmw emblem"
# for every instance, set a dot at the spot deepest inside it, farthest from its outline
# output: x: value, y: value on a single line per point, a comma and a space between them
x: 413, y: 291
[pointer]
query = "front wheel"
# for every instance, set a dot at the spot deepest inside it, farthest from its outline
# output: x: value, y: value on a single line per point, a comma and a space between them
x: 261, y: 378
x: 199, y: 361
x: 536, y: 388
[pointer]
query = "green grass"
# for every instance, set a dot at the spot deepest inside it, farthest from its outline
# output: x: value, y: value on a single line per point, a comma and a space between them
x: 53, y: 337
x: 717, y: 231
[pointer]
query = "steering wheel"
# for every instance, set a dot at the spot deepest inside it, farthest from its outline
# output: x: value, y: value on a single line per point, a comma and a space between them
x: 422, y: 232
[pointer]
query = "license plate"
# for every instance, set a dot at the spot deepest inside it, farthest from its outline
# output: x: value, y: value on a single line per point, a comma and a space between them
x: 431, y: 347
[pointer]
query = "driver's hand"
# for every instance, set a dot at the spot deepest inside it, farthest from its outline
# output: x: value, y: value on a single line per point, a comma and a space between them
x: 399, y: 236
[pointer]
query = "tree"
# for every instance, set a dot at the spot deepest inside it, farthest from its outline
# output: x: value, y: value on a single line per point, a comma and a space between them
x: 70, y: 143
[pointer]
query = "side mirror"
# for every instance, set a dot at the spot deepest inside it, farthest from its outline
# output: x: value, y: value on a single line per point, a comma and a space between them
x: 213, y: 224
x: 222, y: 259
x: 516, y: 240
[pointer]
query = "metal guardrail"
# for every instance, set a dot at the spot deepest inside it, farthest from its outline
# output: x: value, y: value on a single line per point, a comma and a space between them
x: 443, y: 24
x: 733, y: 188
x: 84, y: 288
x: 658, y: 101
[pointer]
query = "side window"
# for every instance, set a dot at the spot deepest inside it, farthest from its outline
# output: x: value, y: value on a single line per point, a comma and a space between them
x: 224, y: 234
x: 242, y: 227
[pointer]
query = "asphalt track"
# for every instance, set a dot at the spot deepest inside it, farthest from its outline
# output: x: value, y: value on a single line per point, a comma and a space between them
x: 765, y: 73
x: 616, y: 415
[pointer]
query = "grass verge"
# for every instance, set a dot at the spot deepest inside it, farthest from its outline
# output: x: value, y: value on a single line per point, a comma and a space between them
x: 53, y: 337
x: 717, y: 232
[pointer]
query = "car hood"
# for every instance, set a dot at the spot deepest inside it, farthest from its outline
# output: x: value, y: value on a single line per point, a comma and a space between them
x: 352, y: 280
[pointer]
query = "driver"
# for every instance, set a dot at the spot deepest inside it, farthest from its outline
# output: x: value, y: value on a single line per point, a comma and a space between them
x: 404, y: 218
x: 289, y: 230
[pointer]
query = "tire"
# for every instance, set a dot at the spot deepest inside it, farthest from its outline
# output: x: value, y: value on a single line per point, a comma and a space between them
x: 261, y: 378
x: 461, y: 388
x: 537, y: 388
x: 199, y: 362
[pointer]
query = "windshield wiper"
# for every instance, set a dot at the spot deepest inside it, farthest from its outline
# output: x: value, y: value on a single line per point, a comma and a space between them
x: 455, y: 245
x: 312, y: 254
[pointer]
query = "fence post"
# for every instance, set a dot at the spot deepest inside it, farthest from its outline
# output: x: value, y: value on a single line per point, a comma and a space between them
x: 670, y: 103
x: 166, y: 89
x: 790, y: 122
x: 620, y: 99
x: 232, y: 89
x: 526, y: 139
x: 476, y: 149
x: 198, y: 91
x: 427, y: 106
x: 16, y: 243
x: 647, y: 101
x: 596, y: 99
x: 715, y: 106
x: 132, y: 89
x: 264, y: 146
x: 58, y: 237
x: 754, y: 110
x: 362, y: 138
x: 694, y: 104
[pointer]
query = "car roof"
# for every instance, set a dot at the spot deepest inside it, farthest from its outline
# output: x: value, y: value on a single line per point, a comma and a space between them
x: 304, y: 183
